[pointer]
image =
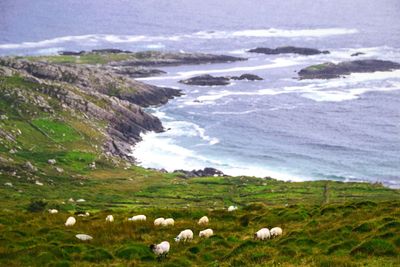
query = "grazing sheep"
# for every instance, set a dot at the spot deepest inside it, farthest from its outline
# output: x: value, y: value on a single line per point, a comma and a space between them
x: 70, y: 221
x: 53, y: 211
x: 84, y: 237
x: 82, y: 214
x: 185, y: 235
x: 276, y: 231
x: 232, y: 208
x: 262, y: 234
x: 81, y: 200
x: 161, y: 250
x: 159, y: 221
x: 206, y: 233
x: 109, y: 218
x: 168, y: 222
x: 203, y: 220
x: 137, y: 218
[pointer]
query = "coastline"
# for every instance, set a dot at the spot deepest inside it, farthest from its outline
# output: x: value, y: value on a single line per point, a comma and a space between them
x: 116, y: 63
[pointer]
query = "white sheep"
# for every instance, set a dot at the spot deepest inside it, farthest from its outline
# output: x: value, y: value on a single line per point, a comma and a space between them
x: 262, y: 234
x: 137, y: 218
x: 109, y: 218
x: 276, y: 231
x: 203, y: 220
x: 206, y: 233
x: 53, y: 211
x: 70, y: 221
x: 159, y: 221
x: 84, y: 237
x: 168, y: 222
x: 161, y: 250
x: 185, y: 235
x: 86, y: 214
x: 232, y: 208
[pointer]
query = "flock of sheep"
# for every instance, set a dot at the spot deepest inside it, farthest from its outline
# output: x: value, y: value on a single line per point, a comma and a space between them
x: 162, y: 249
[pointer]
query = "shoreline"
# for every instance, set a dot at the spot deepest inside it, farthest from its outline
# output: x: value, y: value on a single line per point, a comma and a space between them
x: 152, y: 96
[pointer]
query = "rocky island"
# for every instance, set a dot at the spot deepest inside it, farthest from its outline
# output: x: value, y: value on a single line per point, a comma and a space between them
x: 209, y: 80
x: 332, y: 70
x: 288, y: 50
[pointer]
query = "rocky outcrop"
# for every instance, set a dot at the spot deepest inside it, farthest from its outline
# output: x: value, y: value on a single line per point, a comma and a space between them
x: 288, y: 50
x: 105, y: 97
x: 137, y: 72
x: 331, y: 70
x: 246, y: 76
x: 71, y: 53
x: 206, y: 172
x: 110, y: 51
x: 357, y: 54
x: 157, y: 59
x: 206, y: 80
x: 91, y: 78
x: 209, y: 80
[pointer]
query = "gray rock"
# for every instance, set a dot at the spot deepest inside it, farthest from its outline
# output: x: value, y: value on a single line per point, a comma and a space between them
x: 29, y: 166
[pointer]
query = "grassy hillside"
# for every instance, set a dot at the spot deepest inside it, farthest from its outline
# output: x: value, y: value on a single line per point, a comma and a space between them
x: 325, y: 223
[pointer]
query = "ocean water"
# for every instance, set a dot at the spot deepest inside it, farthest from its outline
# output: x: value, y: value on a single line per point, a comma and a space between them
x: 343, y: 129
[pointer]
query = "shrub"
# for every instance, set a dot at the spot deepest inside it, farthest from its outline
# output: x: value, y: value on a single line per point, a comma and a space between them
x: 134, y: 251
x: 36, y: 206
x: 364, y: 227
x: 194, y: 250
x: 244, y: 220
x: 97, y: 255
x: 378, y: 247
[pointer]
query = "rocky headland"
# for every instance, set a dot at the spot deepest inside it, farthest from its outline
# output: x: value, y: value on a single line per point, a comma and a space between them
x: 96, y: 88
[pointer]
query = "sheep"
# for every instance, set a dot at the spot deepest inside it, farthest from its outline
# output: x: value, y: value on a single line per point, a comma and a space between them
x: 276, y: 231
x: 262, y: 234
x: 84, y: 237
x: 206, y: 233
x: 137, y: 218
x: 168, y: 222
x: 161, y: 250
x: 185, y: 235
x: 82, y: 214
x: 232, y: 208
x: 109, y: 218
x: 203, y: 220
x: 80, y: 200
x: 159, y: 221
x: 70, y: 221
x: 53, y: 211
